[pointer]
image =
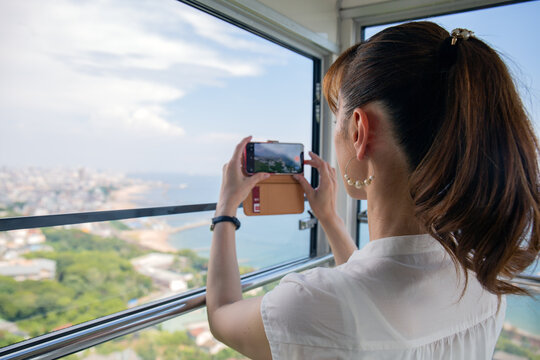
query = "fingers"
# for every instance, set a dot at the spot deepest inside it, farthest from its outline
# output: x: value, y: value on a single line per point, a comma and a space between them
x: 239, y: 150
x: 305, y: 185
x: 253, y: 180
x: 326, y: 171
x: 315, y: 161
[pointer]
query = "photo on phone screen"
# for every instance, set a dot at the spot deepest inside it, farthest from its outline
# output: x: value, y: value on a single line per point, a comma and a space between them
x: 276, y: 158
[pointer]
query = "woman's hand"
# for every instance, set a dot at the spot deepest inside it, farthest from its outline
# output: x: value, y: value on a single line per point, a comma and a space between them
x: 323, y: 203
x: 322, y: 199
x: 235, y: 186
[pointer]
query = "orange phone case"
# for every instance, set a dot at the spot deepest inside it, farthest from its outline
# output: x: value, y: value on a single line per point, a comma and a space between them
x: 279, y: 194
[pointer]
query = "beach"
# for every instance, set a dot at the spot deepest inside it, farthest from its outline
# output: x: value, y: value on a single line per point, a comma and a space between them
x: 126, y: 197
x: 157, y: 236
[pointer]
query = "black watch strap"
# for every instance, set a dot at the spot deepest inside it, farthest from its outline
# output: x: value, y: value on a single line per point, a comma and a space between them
x: 219, y: 219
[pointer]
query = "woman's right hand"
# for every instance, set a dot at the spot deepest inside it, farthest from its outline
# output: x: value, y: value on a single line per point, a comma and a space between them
x: 322, y: 199
x: 236, y: 185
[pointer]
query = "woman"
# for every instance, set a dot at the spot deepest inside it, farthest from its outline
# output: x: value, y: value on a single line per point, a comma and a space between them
x: 431, y: 131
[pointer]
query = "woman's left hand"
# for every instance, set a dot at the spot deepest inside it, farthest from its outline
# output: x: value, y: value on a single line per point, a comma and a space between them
x: 235, y: 186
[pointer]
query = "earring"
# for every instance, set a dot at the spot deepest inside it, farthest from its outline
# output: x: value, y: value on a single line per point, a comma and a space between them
x: 357, y: 183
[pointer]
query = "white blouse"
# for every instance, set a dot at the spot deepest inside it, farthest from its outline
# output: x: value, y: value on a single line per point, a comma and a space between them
x: 396, y: 298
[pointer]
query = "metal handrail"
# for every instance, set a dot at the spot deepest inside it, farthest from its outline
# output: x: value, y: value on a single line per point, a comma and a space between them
x: 532, y: 278
x: 79, y: 337
x: 532, y: 282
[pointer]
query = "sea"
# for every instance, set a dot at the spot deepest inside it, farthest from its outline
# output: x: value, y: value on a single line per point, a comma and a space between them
x: 267, y: 240
x: 261, y: 241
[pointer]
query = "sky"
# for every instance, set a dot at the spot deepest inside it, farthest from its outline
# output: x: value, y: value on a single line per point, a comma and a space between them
x: 157, y: 86
x: 146, y: 86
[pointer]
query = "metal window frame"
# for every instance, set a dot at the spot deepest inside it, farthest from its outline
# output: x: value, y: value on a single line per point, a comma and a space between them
x: 385, y: 13
x: 363, y: 17
x: 273, y: 27
x: 396, y: 11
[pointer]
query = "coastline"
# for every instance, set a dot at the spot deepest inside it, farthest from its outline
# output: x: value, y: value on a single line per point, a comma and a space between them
x: 157, y: 237
x: 125, y: 198
x: 154, y: 233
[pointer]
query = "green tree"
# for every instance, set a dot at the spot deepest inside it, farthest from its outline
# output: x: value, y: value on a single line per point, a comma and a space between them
x: 7, y: 338
x: 94, y: 278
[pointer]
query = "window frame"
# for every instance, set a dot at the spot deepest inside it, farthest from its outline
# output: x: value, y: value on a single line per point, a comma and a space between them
x: 271, y: 25
x: 361, y: 21
x: 275, y: 28
x: 532, y: 282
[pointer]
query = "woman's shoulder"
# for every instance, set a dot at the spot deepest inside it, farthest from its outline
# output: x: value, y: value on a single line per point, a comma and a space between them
x: 322, y: 294
x: 321, y: 280
x: 310, y: 308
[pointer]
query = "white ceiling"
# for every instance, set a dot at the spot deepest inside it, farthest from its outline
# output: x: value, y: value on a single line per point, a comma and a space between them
x: 323, y: 16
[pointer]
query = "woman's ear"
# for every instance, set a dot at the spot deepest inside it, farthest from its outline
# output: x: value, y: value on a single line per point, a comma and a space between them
x: 361, y: 132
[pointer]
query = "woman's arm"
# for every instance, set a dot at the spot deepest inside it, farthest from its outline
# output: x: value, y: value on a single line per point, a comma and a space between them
x: 323, y: 203
x: 340, y: 241
x: 233, y: 321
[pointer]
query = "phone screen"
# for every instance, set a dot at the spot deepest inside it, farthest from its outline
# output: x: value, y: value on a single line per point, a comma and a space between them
x: 277, y: 158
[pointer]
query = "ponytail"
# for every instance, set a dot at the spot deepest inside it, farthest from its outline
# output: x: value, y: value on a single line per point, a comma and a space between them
x: 472, y: 151
x: 477, y: 187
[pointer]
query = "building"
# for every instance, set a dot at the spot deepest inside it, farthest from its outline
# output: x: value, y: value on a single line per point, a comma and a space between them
x: 29, y: 269
x: 200, y: 332
x: 155, y: 266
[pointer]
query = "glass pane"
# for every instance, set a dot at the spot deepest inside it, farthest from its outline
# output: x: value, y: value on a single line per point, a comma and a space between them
x: 52, y: 278
x: 184, y: 337
x: 514, y: 46
x: 121, y: 104
x: 363, y: 230
x: 519, y: 56
x: 520, y: 338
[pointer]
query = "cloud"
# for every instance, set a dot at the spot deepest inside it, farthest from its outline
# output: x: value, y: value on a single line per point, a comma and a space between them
x: 219, y: 138
x: 106, y: 79
x: 220, y: 32
x: 106, y: 60
x: 147, y: 121
x: 133, y: 38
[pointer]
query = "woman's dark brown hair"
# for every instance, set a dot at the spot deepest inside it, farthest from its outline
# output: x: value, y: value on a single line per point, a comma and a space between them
x: 471, y: 149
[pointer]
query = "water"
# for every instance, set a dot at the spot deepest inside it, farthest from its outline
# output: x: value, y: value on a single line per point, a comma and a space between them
x: 268, y: 240
x: 261, y: 241
x: 524, y: 312
x: 178, y: 189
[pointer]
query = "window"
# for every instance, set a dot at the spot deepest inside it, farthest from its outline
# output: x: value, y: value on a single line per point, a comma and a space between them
x: 116, y: 105
x: 515, y: 42
x: 112, y: 105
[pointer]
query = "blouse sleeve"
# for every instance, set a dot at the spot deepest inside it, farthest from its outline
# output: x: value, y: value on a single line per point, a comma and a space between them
x: 301, y: 312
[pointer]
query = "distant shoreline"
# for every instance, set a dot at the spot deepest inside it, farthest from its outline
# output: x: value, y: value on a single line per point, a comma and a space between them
x: 124, y: 198
x: 158, y: 239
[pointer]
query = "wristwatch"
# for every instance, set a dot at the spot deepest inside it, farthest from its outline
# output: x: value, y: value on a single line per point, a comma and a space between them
x: 219, y: 219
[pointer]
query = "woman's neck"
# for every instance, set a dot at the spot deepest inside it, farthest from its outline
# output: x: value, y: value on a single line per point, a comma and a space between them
x: 391, y: 210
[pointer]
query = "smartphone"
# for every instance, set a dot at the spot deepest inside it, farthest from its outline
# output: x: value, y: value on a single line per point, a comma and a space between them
x: 274, y: 157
